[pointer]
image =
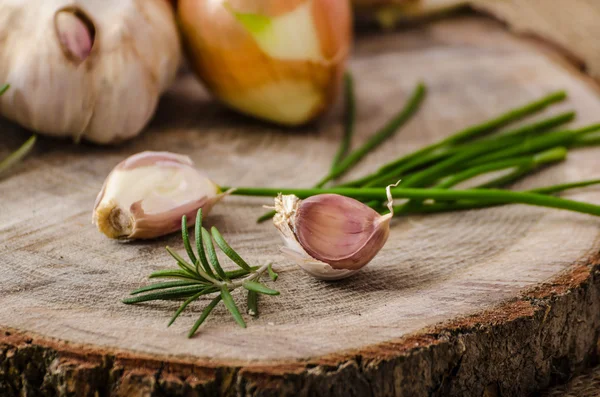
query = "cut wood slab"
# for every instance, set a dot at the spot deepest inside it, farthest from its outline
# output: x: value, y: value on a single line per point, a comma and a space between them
x: 488, y: 301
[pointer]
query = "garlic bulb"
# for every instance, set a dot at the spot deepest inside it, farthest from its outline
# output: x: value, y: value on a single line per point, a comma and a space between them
x: 146, y: 195
x: 330, y: 236
x: 279, y: 60
x: 86, y: 68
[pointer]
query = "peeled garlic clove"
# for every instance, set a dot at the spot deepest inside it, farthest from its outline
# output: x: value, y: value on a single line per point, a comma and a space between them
x: 328, y: 235
x: 279, y: 60
x: 86, y: 69
x: 146, y: 195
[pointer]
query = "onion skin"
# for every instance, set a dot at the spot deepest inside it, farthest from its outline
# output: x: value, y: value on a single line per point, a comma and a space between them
x: 237, y: 70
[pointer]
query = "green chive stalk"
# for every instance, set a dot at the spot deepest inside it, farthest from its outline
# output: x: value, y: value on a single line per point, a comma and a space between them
x: 484, y: 128
x: 531, y: 162
x: 464, y: 206
x: 349, y: 121
x: 380, y: 137
x: 477, y: 195
x: 388, y: 172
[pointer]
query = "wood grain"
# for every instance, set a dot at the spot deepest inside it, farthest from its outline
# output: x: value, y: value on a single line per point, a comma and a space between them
x: 63, y: 281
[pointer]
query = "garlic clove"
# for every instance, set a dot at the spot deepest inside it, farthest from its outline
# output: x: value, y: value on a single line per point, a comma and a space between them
x: 328, y: 235
x: 76, y: 34
x: 146, y: 195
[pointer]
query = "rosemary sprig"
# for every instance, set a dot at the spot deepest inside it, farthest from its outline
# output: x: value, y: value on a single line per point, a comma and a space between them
x: 206, y: 277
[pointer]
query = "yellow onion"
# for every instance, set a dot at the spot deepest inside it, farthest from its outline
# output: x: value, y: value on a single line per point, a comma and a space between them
x: 279, y: 60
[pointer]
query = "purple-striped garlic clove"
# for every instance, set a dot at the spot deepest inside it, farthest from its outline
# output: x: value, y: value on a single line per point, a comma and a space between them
x: 146, y: 195
x: 330, y: 236
x: 76, y: 34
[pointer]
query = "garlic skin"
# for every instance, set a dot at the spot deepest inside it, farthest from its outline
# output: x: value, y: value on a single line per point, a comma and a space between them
x: 330, y: 236
x: 146, y: 195
x: 278, y: 60
x: 86, y: 69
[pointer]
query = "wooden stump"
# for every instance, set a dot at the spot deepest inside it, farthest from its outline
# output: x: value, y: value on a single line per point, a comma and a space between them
x: 490, y: 302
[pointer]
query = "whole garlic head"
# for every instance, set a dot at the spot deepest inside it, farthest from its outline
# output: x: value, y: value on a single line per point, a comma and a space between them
x: 330, y: 236
x: 86, y: 69
x: 146, y: 195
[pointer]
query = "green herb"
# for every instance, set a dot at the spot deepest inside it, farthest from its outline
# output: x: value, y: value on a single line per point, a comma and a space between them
x: 462, y: 206
x: 199, y: 278
x: 495, y: 195
x: 349, y: 122
x: 385, y: 176
x: 381, y: 136
x: 21, y: 152
x: 17, y: 155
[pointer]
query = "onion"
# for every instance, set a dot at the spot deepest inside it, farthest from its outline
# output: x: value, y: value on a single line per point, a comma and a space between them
x: 278, y: 60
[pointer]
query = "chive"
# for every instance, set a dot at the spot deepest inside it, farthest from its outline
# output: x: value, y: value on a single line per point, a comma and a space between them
x: 483, y: 128
x: 549, y: 156
x: 462, y: 206
x: 385, y: 175
x: 17, y: 155
x: 503, y: 196
x: 349, y: 121
x: 381, y: 136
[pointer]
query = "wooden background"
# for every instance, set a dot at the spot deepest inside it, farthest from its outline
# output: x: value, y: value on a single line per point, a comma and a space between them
x: 62, y: 281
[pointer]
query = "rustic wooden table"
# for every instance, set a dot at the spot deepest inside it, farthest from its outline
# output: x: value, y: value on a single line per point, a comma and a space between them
x: 491, y: 301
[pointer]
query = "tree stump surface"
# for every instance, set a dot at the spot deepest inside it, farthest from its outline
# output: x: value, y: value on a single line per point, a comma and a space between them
x: 500, y: 301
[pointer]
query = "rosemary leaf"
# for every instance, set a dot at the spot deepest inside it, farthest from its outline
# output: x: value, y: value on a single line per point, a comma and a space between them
x: 212, y: 255
x: 204, y: 315
x: 186, y: 267
x: 274, y: 276
x: 231, y: 306
x: 260, y: 288
x: 186, y: 240
x: 253, y: 303
x: 228, y: 250
x: 165, y: 285
x: 173, y: 274
x: 174, y: 293
x: 190, y: 300
x: 200, y: 245
x: 233, y: 274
